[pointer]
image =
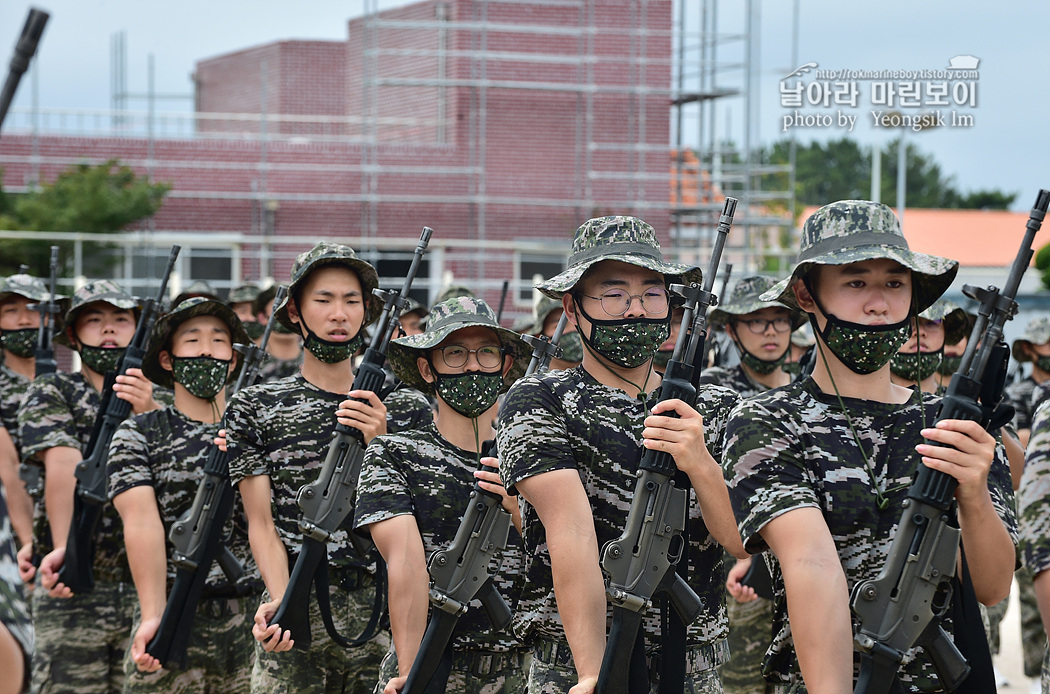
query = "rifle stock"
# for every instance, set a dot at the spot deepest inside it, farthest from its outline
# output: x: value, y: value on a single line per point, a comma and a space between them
x: 196, y: 537
x: 640, y: 562
x: 898, y: 608
x: 327, y: 502
x: 90, y: 496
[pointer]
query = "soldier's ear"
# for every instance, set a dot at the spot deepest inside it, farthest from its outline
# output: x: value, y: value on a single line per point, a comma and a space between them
x: 164, y: 358
x: 568, y: 304
x: 424, y: 369
x: 804, y: 298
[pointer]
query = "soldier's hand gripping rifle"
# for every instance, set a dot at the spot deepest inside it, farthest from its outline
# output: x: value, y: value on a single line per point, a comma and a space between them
x: 90, y: 495
x: 460, y: 573
x: 327, y: 502
x: 903, y: 607
x: 48, y: 310
x: 197, y: 535
x: 641, y: 562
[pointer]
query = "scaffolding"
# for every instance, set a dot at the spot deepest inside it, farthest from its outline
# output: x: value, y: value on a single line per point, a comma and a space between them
x: 714, y: 65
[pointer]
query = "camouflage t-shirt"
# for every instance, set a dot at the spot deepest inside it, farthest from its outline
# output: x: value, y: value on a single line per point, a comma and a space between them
x: 1023, y: 397
x: 274, y: 369
x: 282, y: 429
x: 166, y: 450
x: 60, y: 410
x: 1033, y: 498
x: 421, y: 473
x: 735, y: 379
x: 568, y: 420
x: 13, y: 388
x: 792, y: 448
x: 14, y: 612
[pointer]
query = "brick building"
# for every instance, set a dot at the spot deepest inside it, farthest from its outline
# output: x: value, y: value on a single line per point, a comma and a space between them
x: 502, y: 125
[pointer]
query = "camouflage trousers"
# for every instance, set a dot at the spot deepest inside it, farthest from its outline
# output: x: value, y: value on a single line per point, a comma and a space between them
x: 219, y: 658
x: 473, y: 672
x: 327, y: 668
x: 750, y: 633
x: 553, y: 671
x: 1033, y: 637
x: 1044, y: 679
x: 80, y: 642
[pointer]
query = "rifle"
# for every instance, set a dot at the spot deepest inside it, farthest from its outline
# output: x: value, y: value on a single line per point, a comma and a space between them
x: 502, y: 300
x: 641, y: 562
x: 327, y: 502
x: 197, y: 535
x: 90, y: 497
x: 45, y: 352
x: 24, y: 50
x: 460, y: 572
x: 904, y: 605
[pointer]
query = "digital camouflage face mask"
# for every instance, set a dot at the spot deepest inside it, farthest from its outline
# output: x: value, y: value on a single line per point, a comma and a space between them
x: 203, y: 377
x: 21, y: 343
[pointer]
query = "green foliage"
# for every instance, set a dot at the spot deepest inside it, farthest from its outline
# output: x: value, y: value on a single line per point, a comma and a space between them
x: 841, y: 170
x: 1042, y: 263
x: 93, y: 199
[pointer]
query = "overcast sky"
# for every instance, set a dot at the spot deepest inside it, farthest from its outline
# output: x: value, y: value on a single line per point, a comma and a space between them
x: 1007, y: 147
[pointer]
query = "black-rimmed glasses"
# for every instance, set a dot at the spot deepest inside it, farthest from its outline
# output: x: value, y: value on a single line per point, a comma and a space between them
x: 455, y: 356
x: 616, y: 302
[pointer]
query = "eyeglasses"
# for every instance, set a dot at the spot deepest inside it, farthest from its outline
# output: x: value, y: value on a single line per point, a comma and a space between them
x: 455, y: 356
x: 616, y: 302
x: 781, y: 324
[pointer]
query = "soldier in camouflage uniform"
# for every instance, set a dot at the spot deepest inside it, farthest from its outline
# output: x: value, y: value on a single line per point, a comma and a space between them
x: 278, y: 436
x: 818, y: 469
x: 1026, y: 395
x: 761, y: 331
x: 545, y: 317
x: 414, y: 488
x: 570, y: 443
x: 412, y: 317
x: 242, y: 301
x: 285, y: 347
x: 762, y: 353
x: 1033, y: 346
x: 16, y: 626
x: 154, y: 468
x: 18, y: 335
x: 55, y: 421
x: 1033, y: 510
x: 916, y: 362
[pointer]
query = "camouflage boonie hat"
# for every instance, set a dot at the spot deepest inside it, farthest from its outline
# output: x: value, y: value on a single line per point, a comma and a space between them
x: 956, y: 323
x: 327, y: 253
x: 165, y: 326
x: 446, y: 318
x: 198, y: 288
x: 850, y: 231
x: 802, y: 336
x: 544, y: 307
x: 97, y: 290
x: 627, y: 239
x: 453, y: 291
x: 32, y: 288
x: 264, y: 297
x: 414, y: 307
x: 1037, y: 332
x: 243, y: 293
x: 746, y: 298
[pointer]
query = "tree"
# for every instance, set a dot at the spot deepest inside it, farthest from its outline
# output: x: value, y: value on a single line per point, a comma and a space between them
x: 841, y: 170
x: 95, y: 199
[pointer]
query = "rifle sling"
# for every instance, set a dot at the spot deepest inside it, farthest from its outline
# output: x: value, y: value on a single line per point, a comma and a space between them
x: 324, y: 605
x: 672, y: 627
x: 968, y: 634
